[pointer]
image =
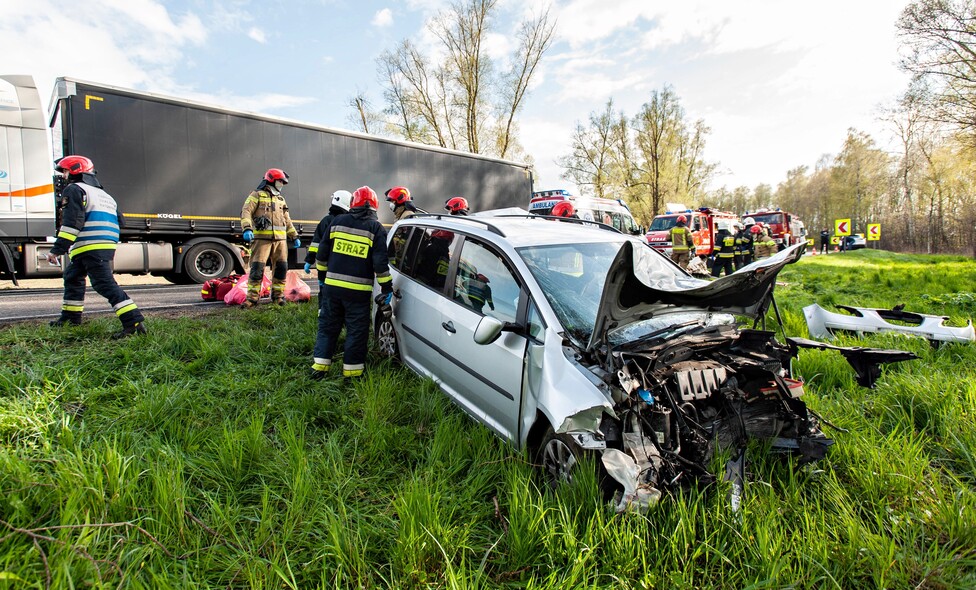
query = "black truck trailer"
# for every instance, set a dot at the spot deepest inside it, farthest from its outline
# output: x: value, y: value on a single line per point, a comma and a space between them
x: 180, y: 171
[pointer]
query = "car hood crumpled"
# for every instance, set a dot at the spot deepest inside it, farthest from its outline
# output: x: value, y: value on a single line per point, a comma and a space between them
x: 641, y: 284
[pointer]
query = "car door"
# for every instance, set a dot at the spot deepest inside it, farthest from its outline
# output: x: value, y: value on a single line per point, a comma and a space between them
x: 423, y: 268
x: 486, y: 380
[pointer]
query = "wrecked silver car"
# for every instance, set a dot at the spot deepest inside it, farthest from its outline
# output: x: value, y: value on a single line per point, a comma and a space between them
x: 568, y: 339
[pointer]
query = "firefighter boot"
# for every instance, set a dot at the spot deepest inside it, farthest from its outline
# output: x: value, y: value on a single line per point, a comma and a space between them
x: 136, y: 328
x: 70, y: 319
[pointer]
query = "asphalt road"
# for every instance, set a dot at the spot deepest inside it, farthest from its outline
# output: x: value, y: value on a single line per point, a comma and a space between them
x: 44, y: 302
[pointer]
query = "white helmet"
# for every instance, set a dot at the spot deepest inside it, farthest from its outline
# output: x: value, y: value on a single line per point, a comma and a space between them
x: 342, y: 199
x: 749, y: 221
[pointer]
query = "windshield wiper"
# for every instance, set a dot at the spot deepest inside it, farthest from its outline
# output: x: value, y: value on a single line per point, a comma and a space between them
x: 662, y: 331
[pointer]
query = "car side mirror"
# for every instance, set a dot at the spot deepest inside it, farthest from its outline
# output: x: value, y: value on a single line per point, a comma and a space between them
x: 488, y: 330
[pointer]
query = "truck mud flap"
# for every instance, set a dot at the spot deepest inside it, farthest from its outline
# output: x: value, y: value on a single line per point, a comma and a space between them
x: 866, y: 362
x: 8, y: 261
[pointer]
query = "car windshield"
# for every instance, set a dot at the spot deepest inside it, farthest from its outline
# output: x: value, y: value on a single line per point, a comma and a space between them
x: 572, y: 277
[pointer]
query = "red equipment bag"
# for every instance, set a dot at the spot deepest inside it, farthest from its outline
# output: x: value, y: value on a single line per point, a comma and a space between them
x: 215, y: 289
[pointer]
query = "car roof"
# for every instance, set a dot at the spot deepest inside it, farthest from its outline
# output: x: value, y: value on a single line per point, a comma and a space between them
x: 521, y: 230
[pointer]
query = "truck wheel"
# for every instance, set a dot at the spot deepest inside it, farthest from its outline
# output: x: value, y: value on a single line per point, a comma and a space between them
x: 207, y: 261
x: 386, y: 338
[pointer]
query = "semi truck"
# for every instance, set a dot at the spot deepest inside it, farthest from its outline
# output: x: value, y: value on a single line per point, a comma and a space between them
x: 180, y: 171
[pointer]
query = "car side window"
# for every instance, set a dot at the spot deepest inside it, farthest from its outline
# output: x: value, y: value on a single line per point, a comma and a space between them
x: 398, y: 248
x: 485, y: 284
x: 536, y: 326
x: 433, y: 255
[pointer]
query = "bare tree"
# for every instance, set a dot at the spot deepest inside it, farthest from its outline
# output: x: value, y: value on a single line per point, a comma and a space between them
x: 939, y: 43
x: 462, y: 101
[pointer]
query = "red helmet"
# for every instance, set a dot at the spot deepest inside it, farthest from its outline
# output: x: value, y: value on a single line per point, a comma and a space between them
x: 682, y: 219
x: 442, y: 234
x: 755, y: 229
x: 75, y: 165
x: 457, y: 205
x: 398, y: 195
x: 563, y: 209
x: 274, y: 174
x: 364, y: 197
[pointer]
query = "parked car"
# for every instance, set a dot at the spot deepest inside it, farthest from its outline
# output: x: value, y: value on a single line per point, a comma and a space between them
x: 568, y: 339
x: 855, y: 241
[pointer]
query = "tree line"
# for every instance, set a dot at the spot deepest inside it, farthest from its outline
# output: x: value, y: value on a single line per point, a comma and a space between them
x: 923, y: 193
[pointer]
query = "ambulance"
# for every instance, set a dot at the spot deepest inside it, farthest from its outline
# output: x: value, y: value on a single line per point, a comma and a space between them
x: 612, y: 212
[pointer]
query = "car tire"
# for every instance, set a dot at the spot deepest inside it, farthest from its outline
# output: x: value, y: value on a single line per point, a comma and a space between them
x: 558, y: 457
x: 386, y: 338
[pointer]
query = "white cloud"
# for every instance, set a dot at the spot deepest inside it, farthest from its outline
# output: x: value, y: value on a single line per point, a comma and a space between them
x: 383, y: 18
x: 257, y: 35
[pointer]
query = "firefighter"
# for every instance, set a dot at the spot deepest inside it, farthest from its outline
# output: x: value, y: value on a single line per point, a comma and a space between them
x: 340, y: 205
x: 353, y: 254
x: 435, y: 259
x: 457, y: 206
x: 564, y: 209
x: 681, y: 242
x: 267, y: 226
x: 479, y: 293
x: 765, y: 246
x: 824, y: 240
x: 724, y: 251
x: 89, y: 234
x: 400, y: 202
x: 743, y: 245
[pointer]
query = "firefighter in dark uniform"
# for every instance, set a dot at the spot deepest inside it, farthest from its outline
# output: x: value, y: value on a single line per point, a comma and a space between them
x: 681, y: 243
x: 743, y: 246
x: 353, y: 255
x: 724, y: 252
x: 89, y: 234
x: 340, y: 205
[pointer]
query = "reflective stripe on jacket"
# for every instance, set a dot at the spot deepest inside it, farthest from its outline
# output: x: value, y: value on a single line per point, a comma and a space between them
x: 271, y: 206
x: 354, y: 254
x: 681, y: 239
x: 90, y: 222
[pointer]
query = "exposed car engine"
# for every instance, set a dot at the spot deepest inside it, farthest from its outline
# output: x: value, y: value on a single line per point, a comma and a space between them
x: 678, y: 398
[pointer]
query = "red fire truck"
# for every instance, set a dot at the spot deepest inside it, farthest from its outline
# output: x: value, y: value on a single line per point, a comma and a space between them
x: 701, y: 221
x: 785, y: 228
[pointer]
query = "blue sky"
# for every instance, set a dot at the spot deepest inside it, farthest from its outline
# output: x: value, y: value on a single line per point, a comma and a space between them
x: 778, y: 82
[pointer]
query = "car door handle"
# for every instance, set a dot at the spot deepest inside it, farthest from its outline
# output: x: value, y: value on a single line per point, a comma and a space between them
x: 449, y: 326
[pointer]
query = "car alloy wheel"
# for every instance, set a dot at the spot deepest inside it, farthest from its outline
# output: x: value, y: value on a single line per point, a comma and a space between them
x: 559, y: 457
x: 386, y: 340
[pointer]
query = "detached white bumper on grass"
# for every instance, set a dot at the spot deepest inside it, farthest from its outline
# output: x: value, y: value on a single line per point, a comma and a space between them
x: 822, y: 323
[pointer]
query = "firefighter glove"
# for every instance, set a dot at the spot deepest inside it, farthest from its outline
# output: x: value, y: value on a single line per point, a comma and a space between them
x: 308, y: 267
x: 248, y: 235
x: 297, y: 244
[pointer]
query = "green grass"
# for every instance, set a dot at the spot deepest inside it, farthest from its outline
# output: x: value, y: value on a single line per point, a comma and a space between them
x: 202, y: 457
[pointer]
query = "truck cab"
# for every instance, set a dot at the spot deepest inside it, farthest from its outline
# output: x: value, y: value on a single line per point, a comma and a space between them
x: 700, y: 221
x: 785, y: 228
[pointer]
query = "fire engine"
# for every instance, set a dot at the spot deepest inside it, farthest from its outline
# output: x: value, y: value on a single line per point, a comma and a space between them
x: 785, y: 228
x: 701, y: 221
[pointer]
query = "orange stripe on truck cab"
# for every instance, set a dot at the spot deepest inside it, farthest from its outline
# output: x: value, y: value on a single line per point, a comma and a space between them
x: 34, y: 191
